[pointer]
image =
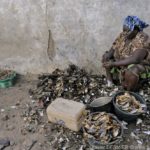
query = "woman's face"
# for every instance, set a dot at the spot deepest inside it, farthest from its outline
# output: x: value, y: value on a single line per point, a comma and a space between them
x: 131, y: 34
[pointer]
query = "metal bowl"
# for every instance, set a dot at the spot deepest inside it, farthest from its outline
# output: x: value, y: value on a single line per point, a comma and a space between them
x: 101, y: 104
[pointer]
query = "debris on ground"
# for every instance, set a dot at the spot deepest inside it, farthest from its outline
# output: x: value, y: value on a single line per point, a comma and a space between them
x: 32, y: 144
x: 51, y: 136
x: 72, y: 83
x: 76, y: 84
x: 4, y: 74
x: 139, y: 121
x: 142, y: 130
x: 63, y: 138
x: 102, y: 127
x: 124, y: 124
x: 5, y: 117
x: 32, y: 117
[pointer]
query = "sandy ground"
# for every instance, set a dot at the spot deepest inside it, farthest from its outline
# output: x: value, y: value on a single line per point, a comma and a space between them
x: 14, y: 101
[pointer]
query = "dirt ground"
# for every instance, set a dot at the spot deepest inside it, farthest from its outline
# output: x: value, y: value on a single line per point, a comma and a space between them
x: 15, y: 101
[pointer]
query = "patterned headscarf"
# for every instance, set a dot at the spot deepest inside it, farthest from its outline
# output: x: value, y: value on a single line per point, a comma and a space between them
x: 132, y: 21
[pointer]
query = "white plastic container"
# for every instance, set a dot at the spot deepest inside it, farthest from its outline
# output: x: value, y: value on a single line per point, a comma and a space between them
x: 67, y: 112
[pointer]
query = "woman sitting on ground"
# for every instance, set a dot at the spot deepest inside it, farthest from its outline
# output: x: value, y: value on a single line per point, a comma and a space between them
x: 129, y: 56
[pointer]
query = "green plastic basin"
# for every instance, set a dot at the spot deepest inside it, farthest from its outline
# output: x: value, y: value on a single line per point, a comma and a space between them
x: 8, y: 82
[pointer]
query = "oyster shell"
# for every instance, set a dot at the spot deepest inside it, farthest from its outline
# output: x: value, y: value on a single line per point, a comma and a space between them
x: 102, y: 126
x: 128, y: 103
x: 72, y: 83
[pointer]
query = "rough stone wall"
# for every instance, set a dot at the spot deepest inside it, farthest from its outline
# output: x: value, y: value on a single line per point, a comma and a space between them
x: 80, y: 32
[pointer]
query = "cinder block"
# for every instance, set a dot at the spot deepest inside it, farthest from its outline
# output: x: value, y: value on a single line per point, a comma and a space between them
x: 67, y: 112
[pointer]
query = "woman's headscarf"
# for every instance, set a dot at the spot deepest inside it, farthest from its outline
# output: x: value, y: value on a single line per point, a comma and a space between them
x: 132, y: 21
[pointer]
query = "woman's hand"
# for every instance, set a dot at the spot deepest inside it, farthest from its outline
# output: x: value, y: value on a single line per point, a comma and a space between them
x: 108, y: 55
x: 105, y: 57
x: 108, y: 64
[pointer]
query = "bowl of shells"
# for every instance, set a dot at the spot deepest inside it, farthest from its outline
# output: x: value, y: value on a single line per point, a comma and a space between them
x: 128, y: 106
x: 101, y: 128
x: 7, y: 78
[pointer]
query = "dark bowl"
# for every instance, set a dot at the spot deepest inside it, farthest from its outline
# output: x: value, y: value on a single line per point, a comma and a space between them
x: 97, y: 144
x: 101, y: 104
x: 123, y: 115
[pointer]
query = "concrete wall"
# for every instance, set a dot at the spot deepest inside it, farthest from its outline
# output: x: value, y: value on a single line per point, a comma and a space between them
x: 81, y: 30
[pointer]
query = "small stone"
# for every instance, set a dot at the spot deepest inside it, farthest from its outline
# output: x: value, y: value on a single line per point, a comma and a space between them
x: 41, y: 113
x: 5, y: 117
x: 13, y: 116
x: 33, y: 101
x: 41, y: 130
x: 124, y: 124
x: 105, y: 93
x: 12, y: 143
x: 2, y: 110
x: 141, y: 92
x: 40, y: 144
x: 64, y: 148
x: 134, y: 135
x: 10, y: 127
x: 139, y: 142
x: 23, y: 132
x: 115, y: 89
x: 139, y: 121
x: 146, y: 132
x: 18, y: 103
x: 112, y: 93
x: 81, y: 148
x: 61, y: 140
x: 13, y: 107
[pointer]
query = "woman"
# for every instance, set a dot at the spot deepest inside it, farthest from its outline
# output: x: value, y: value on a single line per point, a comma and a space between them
x: 129, y: 55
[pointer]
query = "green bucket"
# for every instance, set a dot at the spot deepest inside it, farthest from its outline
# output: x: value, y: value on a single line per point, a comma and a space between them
x: 8, y: 82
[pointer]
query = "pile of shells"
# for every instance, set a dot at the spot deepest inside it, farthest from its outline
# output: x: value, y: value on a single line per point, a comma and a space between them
x: 68, y: 84
x: 32, y: 117
x: 63, y: 138
x: 128, y: 103
x: 72, y: 83
x: 4, y: 74
x: 102, y: 127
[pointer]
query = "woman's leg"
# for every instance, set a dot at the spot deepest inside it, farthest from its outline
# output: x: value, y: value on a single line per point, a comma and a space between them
x: 131, y: 80
x: 131, y: 77
x: 109, y: 77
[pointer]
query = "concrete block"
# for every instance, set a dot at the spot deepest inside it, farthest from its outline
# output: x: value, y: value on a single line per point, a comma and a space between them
x: 66, y: 112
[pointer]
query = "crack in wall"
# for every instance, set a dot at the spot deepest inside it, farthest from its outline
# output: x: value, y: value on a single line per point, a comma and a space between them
x: 50, y: 44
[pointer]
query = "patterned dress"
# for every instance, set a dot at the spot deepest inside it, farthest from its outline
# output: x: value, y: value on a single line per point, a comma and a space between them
x: 125, y: 48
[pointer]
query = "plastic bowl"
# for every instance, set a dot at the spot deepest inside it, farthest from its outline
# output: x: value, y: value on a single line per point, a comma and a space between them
x: 97, y: 144
x: 123, y: 115
x: 8, y: 82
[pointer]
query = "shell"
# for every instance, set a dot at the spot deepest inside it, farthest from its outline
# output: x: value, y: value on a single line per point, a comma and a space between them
x: 103, y: 127
x: 73, y: 83
x: 129, y: 103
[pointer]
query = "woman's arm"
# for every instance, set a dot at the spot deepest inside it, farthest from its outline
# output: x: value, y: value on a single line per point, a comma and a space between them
x: 136, y: 58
